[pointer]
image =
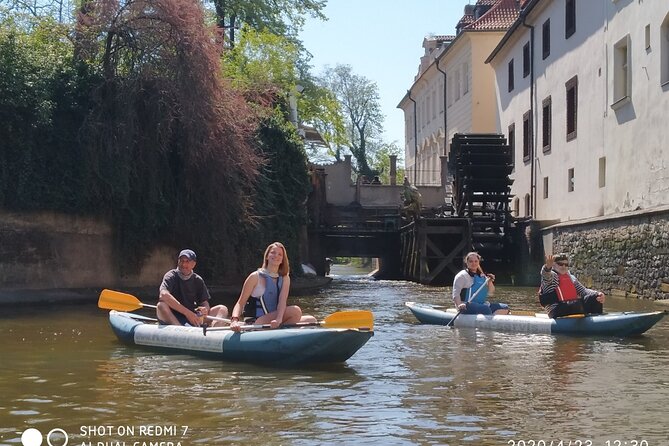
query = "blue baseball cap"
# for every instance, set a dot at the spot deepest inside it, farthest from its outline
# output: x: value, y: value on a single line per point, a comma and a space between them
x: 189, y: 254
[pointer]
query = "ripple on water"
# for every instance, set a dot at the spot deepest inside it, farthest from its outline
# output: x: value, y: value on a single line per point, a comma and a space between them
x: 410, y: 384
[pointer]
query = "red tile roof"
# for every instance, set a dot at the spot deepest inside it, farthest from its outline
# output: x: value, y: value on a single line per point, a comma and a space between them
x: 466, y: 19
x: 500, y: 16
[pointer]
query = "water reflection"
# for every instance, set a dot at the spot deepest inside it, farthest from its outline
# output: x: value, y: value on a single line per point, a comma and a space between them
x: 410, y: 384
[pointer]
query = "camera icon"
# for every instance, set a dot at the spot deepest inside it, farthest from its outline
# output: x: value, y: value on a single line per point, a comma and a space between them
x: 33, y: 437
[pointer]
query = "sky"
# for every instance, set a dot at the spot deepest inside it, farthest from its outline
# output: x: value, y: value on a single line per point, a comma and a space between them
x: 382, y: 41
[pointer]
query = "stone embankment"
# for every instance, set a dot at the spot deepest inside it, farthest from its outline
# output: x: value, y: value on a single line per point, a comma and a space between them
x: 623, y: 257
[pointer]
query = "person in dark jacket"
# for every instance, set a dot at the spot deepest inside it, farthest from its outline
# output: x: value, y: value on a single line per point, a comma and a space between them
x: 561, y: 294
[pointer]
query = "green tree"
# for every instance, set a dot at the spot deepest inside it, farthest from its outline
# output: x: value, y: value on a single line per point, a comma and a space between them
x: 279, y: 17
x: 59, y: 10
x: 380, y: 162
x: 318, y: 107
x: 359, y: 99
x: 263, y: 61
x: 43, y: 102
x: 264, y: 66
x: 170, y: 143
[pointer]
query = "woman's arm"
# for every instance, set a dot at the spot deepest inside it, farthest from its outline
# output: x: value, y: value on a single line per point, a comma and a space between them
x: 250, y: 283
x: 459, y: 282
x: 491, y: 284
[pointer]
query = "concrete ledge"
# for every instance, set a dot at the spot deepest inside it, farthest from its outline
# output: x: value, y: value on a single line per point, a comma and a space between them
x: 62, y: 295
x: 611, y: 217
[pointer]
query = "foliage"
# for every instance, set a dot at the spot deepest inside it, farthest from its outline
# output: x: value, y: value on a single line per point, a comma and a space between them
x: 278, y: 17
x: 169, y: 144
x: 319, y: 107
x: 261, y: 61
x: 283, y: 187
x: 359, y: 99
x: 264, y: 65
x: 59, y: 10
x: 43, y: 103
x: 129, y: 115
x: 381, y: 161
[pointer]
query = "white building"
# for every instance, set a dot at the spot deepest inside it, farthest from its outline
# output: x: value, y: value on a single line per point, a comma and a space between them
x: 583, y: 91
x: 432, y: 113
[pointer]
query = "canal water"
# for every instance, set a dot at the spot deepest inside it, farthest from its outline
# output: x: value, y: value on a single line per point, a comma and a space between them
x: 62, y: 372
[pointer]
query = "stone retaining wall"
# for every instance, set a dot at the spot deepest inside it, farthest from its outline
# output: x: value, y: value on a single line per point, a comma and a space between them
x: 48, y: 250
x: 624, y: 256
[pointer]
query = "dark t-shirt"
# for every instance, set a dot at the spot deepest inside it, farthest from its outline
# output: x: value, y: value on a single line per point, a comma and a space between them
x: 190, y: 293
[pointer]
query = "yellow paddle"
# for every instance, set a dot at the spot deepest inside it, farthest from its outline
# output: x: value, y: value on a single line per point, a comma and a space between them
x: 346, y: 319
x: 353, y: 319
x: 115, y: 300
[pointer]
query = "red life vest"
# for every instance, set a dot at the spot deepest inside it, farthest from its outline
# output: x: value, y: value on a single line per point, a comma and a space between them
x: 566, y: 290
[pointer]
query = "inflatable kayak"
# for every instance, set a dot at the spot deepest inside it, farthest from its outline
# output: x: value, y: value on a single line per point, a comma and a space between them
x: 608, y: 324
x: 283, y: 346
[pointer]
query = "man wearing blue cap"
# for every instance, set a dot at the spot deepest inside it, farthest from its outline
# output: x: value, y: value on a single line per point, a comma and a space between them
x: 183, y: 294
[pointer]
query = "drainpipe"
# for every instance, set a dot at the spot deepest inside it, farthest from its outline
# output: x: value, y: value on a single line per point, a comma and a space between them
x: 533, y: 173
x: 445, y: 107
x: 415, y: 139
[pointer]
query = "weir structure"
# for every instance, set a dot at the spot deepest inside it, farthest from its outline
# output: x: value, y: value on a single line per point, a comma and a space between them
x: 468, y: 210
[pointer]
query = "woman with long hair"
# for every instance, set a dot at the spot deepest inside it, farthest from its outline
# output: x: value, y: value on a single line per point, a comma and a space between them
x: 471, y: 288
x: 264, y: 296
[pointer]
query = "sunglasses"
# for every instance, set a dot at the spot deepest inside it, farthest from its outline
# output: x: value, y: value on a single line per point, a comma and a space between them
x: 562, y: 263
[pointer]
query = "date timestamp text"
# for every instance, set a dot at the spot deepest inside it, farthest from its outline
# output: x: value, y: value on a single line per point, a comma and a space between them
x: 577, y: 443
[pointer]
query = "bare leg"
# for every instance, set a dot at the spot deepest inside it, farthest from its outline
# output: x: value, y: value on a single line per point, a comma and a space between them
x: 218, y: 311
x: 165, y: 314
x: 292, y: 315
x: 308, y: 319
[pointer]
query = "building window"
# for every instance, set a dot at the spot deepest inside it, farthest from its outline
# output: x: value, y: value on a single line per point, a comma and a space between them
x: 516, y: 207
x: 545, y: 187
x: 512, y: 143
x: 457, y: 85
x: 442, y: 91
x: 526, y: 60
x: 465, y: 78
x: 572, y: 107
x: 527, y: 136
x: 546, y: 39
x: 570, y: 180
x: 621, y: 71
x: 511, y: 75
x: 546, y: 121
x: 602, y: 172
x: 664, y: 50
x: 570, y: 18
x: 647, y: 37
x: 449, y: 90
x: 528, y: 203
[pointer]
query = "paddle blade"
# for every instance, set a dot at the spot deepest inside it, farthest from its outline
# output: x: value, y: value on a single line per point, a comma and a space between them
x: 115, y: 300
x: 350, y: 319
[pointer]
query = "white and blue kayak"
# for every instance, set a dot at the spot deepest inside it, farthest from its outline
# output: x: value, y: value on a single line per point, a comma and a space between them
x: 608, y: 324
x: 283, y: 346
